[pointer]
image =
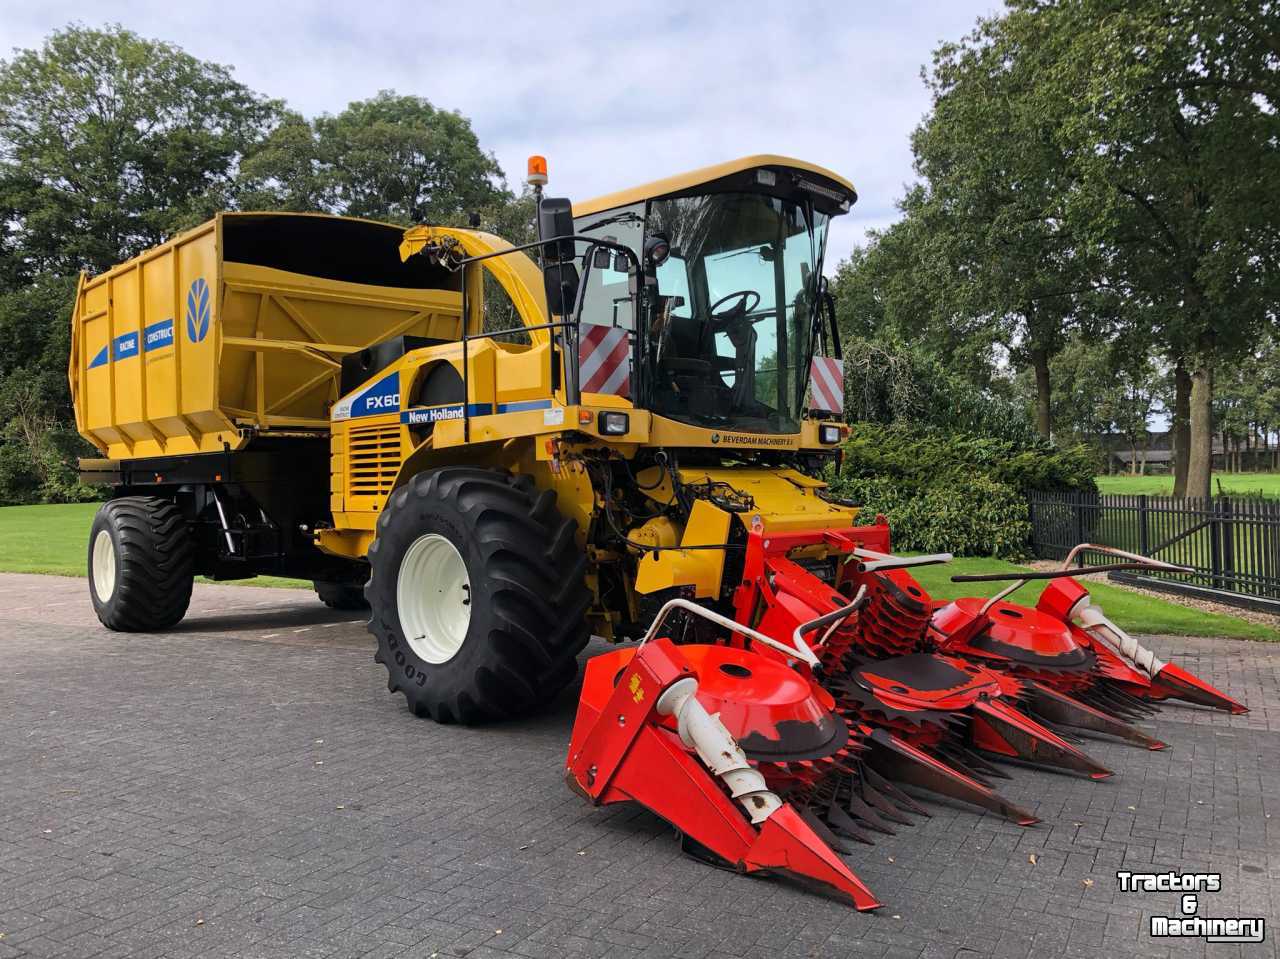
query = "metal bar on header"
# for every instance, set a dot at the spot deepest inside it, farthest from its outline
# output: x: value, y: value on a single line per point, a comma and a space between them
x: 870, y: 560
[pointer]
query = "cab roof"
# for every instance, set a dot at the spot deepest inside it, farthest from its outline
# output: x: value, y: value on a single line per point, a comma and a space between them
x: 708, y: 174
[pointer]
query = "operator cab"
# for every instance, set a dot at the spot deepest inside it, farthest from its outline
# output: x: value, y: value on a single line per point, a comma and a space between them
x: 731, y: 304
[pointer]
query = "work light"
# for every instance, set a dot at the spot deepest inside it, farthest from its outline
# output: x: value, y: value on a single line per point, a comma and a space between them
x: 613, y: 424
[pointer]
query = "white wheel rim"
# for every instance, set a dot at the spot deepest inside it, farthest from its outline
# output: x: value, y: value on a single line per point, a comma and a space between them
x: 104, y: 565
x: 433, y: 596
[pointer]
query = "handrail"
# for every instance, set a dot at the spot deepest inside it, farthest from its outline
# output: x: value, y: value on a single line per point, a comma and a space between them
x: 569, y: 323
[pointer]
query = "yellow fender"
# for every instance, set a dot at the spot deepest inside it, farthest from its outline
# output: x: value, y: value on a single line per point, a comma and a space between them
x: 516, y: 272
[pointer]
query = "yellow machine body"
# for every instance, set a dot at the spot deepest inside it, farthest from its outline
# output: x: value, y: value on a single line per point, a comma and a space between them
x: 189, y: 350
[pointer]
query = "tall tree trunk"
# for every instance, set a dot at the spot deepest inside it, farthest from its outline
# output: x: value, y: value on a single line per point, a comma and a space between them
x: 1200, y: 458
x: 1044, y: 419
x: 1181, y: 427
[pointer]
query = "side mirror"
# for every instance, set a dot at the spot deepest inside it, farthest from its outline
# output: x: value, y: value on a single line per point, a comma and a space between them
x: 555, y: 219
x: 561, y: 281
x: 601, y: 258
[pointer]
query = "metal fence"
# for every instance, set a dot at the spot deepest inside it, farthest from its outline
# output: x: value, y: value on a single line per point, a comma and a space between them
x: 1232, y: 543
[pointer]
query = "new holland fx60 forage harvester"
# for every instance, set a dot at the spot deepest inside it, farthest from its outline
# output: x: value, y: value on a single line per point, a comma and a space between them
x: 615, y: 430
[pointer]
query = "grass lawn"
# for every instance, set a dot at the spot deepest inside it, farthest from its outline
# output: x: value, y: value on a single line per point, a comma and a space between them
x: 1233, y: 484
x: 55, y: 539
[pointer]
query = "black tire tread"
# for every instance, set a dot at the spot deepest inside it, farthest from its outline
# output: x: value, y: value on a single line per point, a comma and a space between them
x: 340, y: 595
x: 537, y: 578
x: 155, y: 564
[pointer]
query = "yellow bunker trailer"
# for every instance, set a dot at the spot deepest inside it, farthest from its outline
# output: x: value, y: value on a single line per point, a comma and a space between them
x: 500, y: 450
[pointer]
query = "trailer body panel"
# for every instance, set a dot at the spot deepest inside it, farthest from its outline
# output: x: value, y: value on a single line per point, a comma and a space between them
x: 184, y: 349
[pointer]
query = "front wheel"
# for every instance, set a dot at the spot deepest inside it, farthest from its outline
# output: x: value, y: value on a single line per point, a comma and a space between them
x: 478, y: 595
x: 141, y: 564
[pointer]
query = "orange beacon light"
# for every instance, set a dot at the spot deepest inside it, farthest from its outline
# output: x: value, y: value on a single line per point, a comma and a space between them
x: 537, y: 171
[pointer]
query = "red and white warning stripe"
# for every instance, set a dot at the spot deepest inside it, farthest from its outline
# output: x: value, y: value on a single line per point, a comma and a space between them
x: 604, y: 360
x: 826, y: 384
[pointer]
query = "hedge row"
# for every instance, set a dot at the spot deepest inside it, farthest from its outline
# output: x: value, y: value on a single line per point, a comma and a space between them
x: 955, y: 492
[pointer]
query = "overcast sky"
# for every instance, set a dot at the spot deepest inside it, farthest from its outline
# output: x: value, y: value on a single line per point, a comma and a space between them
x: 613, y: 94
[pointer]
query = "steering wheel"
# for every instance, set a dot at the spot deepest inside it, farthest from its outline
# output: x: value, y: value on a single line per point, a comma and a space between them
x: 741, y: 309
x: 745, y: 305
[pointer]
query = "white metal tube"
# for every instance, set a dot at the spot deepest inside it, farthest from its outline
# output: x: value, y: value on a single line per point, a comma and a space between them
x: 719, y: 751
x: 1123, y: 554
x: 1008, y: 590
x: 800, y: 651
x: 1095, y: 622
x: 873, y: 560
x: 226, y: 529
x: 835, y: 618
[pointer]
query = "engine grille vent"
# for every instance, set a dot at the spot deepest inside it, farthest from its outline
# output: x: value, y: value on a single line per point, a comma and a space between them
x: 373, y: 459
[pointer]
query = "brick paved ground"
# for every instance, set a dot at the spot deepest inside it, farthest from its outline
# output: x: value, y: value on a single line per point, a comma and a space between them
x: 245, y: 786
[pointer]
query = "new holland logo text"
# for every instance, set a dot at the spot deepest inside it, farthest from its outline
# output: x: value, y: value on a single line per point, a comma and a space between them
x: 424, y: 417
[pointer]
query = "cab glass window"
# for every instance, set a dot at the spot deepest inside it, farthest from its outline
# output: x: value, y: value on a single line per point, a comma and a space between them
x: 606, y: 298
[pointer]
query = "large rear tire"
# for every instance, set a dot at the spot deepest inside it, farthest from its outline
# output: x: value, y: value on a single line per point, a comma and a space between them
x: 141, y: 564
x: 478, y: 595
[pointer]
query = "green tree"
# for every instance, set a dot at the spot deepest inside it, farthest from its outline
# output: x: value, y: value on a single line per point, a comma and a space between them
x: 1247, y: 405
x: 1165, y: 114
x: 110, y: 143
x: 899, y: 287
x: 1082, y: 377
x: 285, y: 171
x: 392, y: 157
x: 37, y: 441
x: 996, y: 186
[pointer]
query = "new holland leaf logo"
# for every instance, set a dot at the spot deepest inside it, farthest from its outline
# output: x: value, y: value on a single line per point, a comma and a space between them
x: 198, y: 310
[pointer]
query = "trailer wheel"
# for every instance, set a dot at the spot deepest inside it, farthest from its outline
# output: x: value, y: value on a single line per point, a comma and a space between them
x: 141, y: 564
x: 478, y: 594
x: 340, y: 595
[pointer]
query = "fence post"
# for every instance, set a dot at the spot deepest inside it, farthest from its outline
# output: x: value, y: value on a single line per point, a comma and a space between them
x: 1227, y: 529
x: 1215, y: 543
x: 1078, y: 501
x: 1142, y: 524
